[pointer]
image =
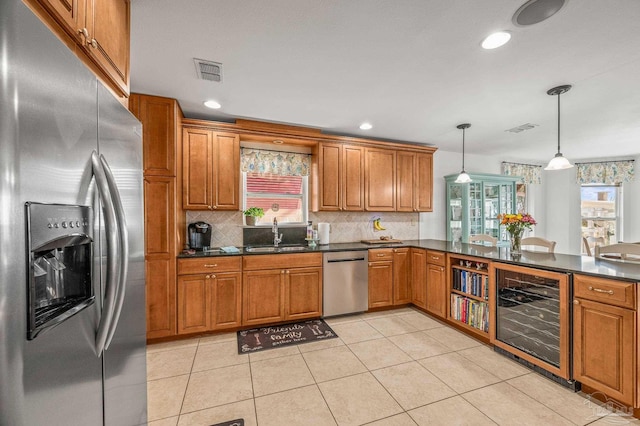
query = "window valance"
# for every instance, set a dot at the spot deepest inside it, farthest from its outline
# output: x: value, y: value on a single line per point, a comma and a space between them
x: 275, y: 162
x: 530, y: 173
x: 605, y: 172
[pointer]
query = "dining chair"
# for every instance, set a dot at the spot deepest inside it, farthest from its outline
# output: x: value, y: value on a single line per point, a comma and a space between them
x: 483, y: 239
x: 539, y: 242
x: 591, y: 242
x: 624, y: 251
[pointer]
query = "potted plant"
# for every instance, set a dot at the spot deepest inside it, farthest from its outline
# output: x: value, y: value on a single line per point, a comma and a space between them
x: 252, y: 214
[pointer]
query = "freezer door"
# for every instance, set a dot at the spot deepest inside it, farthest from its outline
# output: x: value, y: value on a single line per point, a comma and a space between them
x: 125, y: 385
x: 48, y: 129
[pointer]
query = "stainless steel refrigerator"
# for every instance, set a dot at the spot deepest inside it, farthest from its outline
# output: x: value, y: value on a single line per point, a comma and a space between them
x: 72, y: 284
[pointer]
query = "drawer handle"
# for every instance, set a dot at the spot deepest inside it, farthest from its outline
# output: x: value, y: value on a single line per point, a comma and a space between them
x: 435, y: 257
x: 599, y: 290
x: 380, y: 255
x: 210, y: 265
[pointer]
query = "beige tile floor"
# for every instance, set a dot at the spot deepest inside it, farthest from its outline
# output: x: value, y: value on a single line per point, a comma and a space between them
x: 397, y: 367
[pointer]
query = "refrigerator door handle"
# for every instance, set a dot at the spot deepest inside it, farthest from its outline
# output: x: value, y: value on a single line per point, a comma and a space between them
x: 111, y: 236
x: 123, y: 255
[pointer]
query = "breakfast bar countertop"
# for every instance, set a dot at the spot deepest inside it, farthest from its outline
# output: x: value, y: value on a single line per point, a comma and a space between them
x: 587, y: 265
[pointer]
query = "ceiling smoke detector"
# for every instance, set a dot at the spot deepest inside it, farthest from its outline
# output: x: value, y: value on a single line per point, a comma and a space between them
x: 208, y: 70
x: 522, y: 128
x: 535, y: 11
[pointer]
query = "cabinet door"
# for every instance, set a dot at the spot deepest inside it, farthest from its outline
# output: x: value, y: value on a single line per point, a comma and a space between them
x: 108, y: 44
x: 193, y: 306
x: 419, y: 277
x: 380, y: 284
x: 401, y: 276
x: 262, y: 297
x: 159, y: 219
x: 197, y: 191
x: 226, y: 171
x: 159, y: 118
x: 225, y: 300
x: 436, y: 290
x: 161, y: 296
x: 423, y: 182
x: 330, y: 160
x: 380, y: 180
x: 603, y: 348
x: 303, y: 298
x: 352, y: 178
x: 405, y: 187
x: 66, y: 12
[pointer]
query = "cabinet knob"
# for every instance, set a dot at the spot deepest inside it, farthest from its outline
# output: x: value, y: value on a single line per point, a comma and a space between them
x: 94, y: 43
x: 369, y: 263
x: 576, y: 302
x: 209, y: 207
x: 213, y: 276
x: 84, y: 32
x: 287, y: 271
x: 395, y: 250
x: 215, y: 207
x: 282, y: 272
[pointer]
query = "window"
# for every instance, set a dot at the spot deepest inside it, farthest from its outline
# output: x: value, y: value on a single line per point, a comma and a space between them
x: 284, y: 197
x: 600, y: 207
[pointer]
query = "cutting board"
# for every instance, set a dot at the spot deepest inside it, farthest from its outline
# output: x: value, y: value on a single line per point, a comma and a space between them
x: 379, y: 241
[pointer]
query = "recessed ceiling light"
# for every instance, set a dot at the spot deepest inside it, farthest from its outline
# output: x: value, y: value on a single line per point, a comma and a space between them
x: 496, y: 39
x: 212, y: 104
x: 366, y: 126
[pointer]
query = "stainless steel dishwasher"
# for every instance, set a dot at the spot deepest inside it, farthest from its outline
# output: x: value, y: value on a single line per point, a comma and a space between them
x: 345, y: 283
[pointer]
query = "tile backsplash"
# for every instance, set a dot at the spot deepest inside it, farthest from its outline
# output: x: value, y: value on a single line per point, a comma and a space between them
x: 345, y: 226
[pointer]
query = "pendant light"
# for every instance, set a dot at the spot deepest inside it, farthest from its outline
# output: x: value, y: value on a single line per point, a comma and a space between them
x: 559, y: 162
x: 463, y: 177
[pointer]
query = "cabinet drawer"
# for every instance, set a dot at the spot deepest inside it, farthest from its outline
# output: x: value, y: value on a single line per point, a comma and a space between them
x: 435, y: 257
x: 278, y: 261
x: 209, y: 264
x: 378, y: 255
x: 618, y: 293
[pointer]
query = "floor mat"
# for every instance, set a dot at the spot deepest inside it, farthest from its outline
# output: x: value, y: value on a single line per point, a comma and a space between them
x: 258, y: 339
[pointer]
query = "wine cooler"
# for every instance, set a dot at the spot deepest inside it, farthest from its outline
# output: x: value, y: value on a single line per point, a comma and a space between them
x: 532, y: 314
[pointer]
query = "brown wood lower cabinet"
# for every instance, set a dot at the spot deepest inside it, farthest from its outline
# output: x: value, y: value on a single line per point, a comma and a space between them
x: 209, y: 294
x: 604, y: 337
x: 401, y: 276
x: 290, y: 290
x: 437, y: 293
x: 389, y: 277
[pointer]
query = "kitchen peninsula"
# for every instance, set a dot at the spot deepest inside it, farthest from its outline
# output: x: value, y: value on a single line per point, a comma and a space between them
x: 596, y: 318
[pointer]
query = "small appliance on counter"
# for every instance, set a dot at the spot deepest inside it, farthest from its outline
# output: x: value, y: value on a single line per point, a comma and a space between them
x: 199, y: 235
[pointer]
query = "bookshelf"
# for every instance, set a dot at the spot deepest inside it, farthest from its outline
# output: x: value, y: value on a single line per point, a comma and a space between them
x: 469, y: 284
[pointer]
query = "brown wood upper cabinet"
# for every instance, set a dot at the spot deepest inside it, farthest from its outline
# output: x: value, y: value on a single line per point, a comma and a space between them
x: 414, y: 182
x: 101, y: 29
x: 380, y: 180
x: 211, y: 170
x: 160, y: 132
x: 341, y: 183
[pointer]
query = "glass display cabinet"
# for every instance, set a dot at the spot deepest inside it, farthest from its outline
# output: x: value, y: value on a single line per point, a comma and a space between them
x: 473, y: 208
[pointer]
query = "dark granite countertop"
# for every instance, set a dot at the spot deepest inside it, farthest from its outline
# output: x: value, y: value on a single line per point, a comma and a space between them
x: 550, y: 261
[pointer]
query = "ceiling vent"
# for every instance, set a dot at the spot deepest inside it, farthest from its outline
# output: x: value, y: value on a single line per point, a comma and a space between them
x: 208, y: 70
x: 522, y: 128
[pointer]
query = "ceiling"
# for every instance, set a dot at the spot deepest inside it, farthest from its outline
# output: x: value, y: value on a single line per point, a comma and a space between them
x: 414, y: 69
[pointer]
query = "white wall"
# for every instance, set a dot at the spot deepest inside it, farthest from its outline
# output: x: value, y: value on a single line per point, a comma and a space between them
x: 555, y: 204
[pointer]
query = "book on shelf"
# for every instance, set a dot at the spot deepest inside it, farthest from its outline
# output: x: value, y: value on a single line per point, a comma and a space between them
x: 470, y: 312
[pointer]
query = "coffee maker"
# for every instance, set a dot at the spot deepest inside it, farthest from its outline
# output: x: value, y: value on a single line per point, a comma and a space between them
x: 199, y: 235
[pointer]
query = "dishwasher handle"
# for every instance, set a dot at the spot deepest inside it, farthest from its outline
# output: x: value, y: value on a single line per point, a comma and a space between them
x: 351, y: 259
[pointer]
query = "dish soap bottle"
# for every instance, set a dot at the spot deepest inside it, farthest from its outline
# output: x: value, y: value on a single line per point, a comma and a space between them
x: 309, y: 230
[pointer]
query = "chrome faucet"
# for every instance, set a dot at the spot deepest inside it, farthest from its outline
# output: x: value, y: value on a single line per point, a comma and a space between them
x: 276, y: 240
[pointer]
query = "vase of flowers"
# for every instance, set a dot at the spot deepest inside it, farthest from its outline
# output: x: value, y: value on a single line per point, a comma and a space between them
x: 516, y: 224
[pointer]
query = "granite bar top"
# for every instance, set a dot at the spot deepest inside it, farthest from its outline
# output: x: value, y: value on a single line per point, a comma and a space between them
x: 587, y: 265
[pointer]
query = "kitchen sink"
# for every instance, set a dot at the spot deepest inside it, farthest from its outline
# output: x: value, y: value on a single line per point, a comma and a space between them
x: 271, y: 249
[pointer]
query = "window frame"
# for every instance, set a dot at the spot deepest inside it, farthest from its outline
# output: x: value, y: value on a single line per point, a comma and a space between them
x: 617, y: 219
x: 304, y: 199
